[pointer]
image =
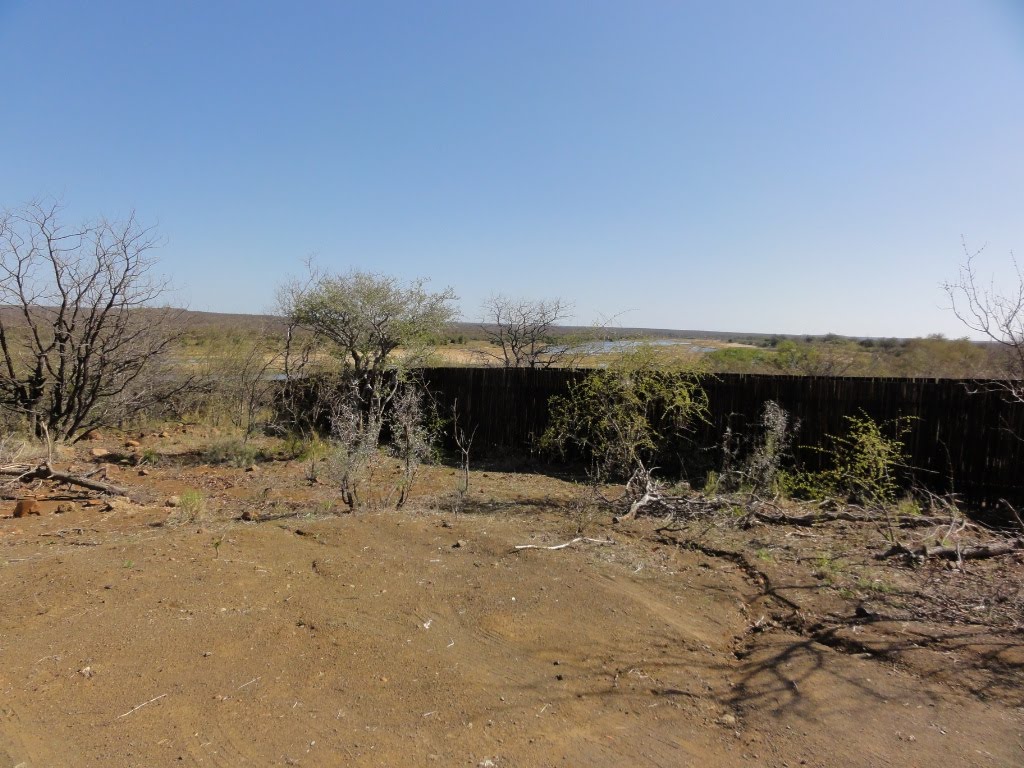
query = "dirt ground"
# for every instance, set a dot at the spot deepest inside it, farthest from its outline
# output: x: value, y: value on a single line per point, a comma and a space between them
x: 134, y: 634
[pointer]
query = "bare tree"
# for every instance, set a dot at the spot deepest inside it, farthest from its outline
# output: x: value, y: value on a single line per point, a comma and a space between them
x: 414, y: 431
x: 523, y: 331
x: 997, y: 313
x: 81, y: 343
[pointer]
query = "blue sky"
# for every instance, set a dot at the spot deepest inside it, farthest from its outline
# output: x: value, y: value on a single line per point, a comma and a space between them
x: 794, y: 167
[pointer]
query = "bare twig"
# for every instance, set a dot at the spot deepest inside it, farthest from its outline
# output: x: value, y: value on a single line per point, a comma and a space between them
x: 140, y: 706
x: 577, y: 540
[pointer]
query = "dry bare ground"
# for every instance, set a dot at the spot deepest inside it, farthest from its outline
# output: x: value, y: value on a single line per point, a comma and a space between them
x: 130, y: 637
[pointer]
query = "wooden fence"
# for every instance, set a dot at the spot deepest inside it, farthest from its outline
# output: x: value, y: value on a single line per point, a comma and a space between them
x: 963, y: 437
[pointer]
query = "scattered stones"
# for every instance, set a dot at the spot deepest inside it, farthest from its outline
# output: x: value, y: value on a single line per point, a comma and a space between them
x: 26, y: 507
x: 99, y: 453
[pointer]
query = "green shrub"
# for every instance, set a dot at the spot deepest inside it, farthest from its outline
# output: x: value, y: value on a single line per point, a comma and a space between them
x: 865, y: 465
x: 620, y: 417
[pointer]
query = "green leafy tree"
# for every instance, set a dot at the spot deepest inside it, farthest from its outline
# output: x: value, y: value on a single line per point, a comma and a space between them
x: 372, y: 322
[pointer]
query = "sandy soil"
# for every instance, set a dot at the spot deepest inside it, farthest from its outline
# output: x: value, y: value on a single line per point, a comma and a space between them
x: 131, y: 638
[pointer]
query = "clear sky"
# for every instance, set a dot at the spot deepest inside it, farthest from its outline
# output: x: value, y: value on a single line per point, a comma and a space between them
x: 794, y: 167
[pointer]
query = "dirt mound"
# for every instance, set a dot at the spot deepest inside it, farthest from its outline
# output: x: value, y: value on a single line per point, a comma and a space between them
x: 318, y: 639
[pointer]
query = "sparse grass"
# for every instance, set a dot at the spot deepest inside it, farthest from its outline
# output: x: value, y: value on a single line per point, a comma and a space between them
x: 234, y: 453
x: 908, y: 507
x: 827, y: 565
x: 876, y: 585
x: 191, y: 506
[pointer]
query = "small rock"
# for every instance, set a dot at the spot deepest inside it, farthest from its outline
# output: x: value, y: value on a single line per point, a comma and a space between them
x: 86, y: 672
x: 94, y: 435
x: 164, y: 434
x: 460, y: 544
x: 251, y: 468
x: 250, y: 515
x: 172, y: 501
x: 64, y: 508
x: 143, y: 472
x: 120, y: 504
x: 93, y: 503
x: 99, y: 453
x: 132, y: 443
x: 727, y: 719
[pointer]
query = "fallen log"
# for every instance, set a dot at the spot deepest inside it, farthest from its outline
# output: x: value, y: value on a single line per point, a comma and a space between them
x: 976, y: 552
x: 27, y: 472
x: 830, y: 516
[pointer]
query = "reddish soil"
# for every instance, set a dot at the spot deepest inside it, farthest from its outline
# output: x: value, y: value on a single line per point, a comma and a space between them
x: 132, y: 638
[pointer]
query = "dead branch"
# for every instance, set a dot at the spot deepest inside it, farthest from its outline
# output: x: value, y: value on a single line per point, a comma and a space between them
x: 830, y: 516
x: 577, y: 540
x: 957, y: 553
x: 26, y: 472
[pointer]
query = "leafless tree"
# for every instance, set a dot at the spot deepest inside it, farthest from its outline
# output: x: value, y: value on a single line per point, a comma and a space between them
x: 250, y: 382
x: 464, y: 442
x: 523, y: 331
x: 82, y: 343
x: 414, y: 430
x: 997, y: 313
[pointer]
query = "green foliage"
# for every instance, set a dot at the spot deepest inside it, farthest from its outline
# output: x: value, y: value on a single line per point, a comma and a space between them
x: 301, y: 448
x: 737, y: 359
x: 865, y: 464
x: 620, y: 417
x: 367, y: 316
